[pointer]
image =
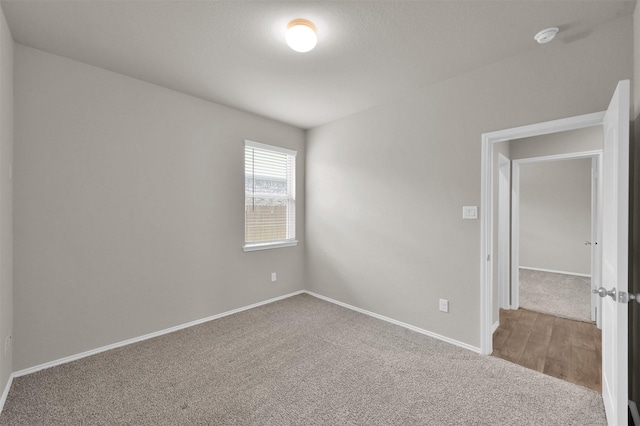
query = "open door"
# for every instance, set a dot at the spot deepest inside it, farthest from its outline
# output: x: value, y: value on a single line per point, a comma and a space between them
x: 615, y: 234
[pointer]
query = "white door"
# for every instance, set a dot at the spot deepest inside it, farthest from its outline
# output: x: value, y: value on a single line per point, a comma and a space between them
x: 615, y: 230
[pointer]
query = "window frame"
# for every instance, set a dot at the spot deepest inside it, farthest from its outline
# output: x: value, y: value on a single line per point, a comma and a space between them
x: 289, y: 242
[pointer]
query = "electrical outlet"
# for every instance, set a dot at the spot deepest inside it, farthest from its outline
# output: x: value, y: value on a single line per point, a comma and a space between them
x: 444, y: 305
x: 273, y: 277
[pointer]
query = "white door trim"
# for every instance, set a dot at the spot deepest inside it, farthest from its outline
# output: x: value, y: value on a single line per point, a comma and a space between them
x: 515, y: 235
x: 595, y: 156
x: 504, y: 231
x: 596, y: 229
x: 486, y: 196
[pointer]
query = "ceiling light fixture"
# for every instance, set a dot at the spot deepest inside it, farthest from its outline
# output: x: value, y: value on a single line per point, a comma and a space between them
x: 301, y: 35
x: 545, y: 36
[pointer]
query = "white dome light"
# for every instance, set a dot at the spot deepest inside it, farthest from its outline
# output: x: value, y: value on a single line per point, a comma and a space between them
x: 545, y: 36
x: 301, y: 35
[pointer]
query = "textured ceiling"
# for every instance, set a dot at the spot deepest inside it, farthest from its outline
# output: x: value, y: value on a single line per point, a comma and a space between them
x: 233, y: 52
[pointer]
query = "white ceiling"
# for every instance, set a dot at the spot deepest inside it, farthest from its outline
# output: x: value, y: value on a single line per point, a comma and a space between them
x: 233, y: 52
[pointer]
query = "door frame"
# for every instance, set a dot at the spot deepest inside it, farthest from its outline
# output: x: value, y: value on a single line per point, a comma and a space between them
x: 596, y: 249
x: 596, y: 161
x: 504, y: 232
x: 486, y: 206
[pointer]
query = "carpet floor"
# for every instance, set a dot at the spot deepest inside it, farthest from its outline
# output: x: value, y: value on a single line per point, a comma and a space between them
x: 298, y: 361
x: 561, y: 295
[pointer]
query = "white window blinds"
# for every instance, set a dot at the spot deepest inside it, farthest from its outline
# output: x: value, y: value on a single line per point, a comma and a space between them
x: 270, y: 196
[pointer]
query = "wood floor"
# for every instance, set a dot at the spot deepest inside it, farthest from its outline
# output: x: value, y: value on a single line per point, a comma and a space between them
x: 563, y: 348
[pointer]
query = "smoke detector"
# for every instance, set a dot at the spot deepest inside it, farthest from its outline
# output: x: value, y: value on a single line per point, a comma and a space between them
x: 545, y: 36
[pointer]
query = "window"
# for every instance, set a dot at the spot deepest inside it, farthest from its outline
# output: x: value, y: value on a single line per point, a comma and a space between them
x: 269, y: 196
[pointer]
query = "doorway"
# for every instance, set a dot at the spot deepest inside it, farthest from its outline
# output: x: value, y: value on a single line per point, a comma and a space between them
x: 504, y: 152
x: 488, y: 243
x: 550, y: 224
x: 555, y: 258
x: 614, y: 251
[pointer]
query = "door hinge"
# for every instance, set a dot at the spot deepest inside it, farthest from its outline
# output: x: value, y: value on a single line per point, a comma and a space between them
x: 488, y: 257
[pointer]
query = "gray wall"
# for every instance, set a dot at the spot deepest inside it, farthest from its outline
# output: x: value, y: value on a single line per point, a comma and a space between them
x: 385, y: 187
x: 129, y: 209
x: 555, y: 215
x: 6, y: 201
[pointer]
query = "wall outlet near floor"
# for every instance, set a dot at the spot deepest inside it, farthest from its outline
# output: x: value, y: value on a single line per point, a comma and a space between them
x: 444, y: 305
x: 273, y: 277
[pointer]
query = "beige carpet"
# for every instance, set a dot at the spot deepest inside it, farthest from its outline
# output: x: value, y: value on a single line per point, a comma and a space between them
x: 561, y: 295
x: 299, y: 361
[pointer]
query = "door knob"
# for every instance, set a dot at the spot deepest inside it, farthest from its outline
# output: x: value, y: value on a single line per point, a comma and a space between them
x: 587, y: 243
x: 603, y: 292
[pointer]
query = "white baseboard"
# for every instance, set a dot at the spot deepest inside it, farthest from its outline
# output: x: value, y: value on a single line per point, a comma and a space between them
x: 145, y: 337
x: 5, y: 393
x: 495, y: 326
x: 577, y: 274
x: 396, y: 322
x: 211, y: 318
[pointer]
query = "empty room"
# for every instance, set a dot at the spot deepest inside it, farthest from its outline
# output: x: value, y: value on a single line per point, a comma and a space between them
x: 291, y: 213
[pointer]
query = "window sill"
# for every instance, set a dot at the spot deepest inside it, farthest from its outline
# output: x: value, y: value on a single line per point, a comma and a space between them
x: 266, y: 246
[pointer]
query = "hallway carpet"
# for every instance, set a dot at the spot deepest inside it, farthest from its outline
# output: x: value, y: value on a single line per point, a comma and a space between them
x: 561, y: 295
x: 298, y: 361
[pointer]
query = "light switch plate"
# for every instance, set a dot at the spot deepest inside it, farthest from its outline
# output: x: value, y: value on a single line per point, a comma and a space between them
x: 469, y: 212
x: 444, y: 305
